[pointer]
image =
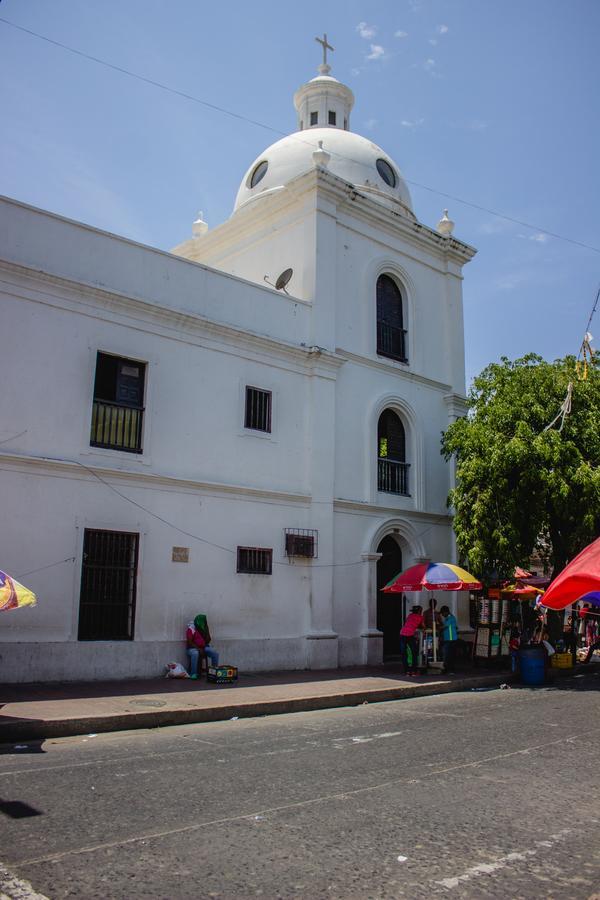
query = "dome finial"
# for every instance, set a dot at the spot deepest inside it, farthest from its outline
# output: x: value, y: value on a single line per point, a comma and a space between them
x: 445, y: 226
x: 320, y: 156
x: 324, y: 68
x: 199, y: 227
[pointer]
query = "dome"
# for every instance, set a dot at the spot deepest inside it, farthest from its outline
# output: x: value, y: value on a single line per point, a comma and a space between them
x: 355, y: 159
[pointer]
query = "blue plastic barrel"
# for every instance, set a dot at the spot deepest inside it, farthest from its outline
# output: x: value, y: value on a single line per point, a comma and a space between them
x: 533, y: 664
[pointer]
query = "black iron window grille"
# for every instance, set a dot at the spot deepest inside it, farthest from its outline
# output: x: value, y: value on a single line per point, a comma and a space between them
x: 391, y: 341
x: 254, y: 560
x: 258, y: 409
x: 392, y: 468
x: 302, y: 542
x: 108, y: 585
x: 118, y: 410
x: 392, y: 476
x: 391, y: 334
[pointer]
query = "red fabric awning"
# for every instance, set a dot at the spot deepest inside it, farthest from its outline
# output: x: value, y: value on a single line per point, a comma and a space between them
x: 579, y: 577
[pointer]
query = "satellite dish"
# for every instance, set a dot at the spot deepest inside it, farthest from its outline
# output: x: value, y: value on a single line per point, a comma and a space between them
x: 281, y: 282
x: 283, y: 279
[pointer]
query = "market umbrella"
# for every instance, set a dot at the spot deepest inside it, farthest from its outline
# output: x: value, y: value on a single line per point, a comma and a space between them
x: 522, y: 591
x: 581, y: 576
x: 433, y: 576
x: 592, y: 598
x: 13, y: 594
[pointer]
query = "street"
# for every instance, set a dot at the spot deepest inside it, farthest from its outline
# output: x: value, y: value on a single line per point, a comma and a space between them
x: 491, y: 793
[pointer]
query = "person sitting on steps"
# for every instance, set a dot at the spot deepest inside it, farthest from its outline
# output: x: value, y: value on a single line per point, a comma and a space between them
x: 198, y: 644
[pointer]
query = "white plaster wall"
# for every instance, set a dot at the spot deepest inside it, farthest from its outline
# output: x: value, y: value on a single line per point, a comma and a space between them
x: 58, y: 246
x: 195, y: 398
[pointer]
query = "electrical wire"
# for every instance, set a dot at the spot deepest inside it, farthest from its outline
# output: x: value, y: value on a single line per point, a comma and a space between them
x: 49, y: 566
x: 227, y: 112
x: 181, y: 530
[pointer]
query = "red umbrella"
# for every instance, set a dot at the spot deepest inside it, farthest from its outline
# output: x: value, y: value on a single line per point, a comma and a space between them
x: 579, y: 577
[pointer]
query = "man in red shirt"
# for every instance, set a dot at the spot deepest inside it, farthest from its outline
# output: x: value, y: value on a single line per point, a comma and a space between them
x: 408, y: 640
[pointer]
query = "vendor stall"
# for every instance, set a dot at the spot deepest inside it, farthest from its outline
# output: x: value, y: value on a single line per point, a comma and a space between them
x: 432, y: 576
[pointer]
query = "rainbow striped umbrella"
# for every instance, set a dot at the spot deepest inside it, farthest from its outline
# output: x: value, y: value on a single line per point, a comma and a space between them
x: 13, y: 595
x: 433, y: 576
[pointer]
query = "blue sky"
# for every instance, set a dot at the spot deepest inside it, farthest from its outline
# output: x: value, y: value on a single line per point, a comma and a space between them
x: 491, y: 102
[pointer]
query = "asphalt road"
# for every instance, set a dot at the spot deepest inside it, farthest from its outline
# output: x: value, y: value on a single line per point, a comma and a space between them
x: 475, y: 795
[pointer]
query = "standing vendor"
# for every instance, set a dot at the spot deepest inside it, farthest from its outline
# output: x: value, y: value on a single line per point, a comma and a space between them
x: 450, y: 639
x: 408, y: 640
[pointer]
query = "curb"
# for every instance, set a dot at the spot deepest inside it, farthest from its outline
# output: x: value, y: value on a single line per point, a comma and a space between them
x: 38, y: 729
x: 33, y: 729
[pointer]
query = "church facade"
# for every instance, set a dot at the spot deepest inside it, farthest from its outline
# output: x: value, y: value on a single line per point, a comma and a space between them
x: 190, y: 432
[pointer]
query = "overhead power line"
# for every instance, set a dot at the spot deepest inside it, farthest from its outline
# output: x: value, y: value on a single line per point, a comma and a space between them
x: 240, y: 117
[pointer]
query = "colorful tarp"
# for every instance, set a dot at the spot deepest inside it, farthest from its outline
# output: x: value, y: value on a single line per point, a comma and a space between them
x: 581, y: 576
x: 13, y: 595
x: 433, y: 576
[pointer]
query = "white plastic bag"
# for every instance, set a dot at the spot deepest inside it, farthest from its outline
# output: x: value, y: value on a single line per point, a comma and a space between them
x: 549, y: 648
x: 175, y: 670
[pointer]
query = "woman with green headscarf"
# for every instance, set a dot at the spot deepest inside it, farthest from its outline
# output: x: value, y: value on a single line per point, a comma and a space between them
x: 198, y: 641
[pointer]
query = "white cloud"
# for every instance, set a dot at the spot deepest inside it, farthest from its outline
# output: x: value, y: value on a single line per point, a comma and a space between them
x: 433, y: 42
x: 510, y: 281
x: 495, y: 226
x: 401, y: 34
x: 442, y: 29
x: 412, y: 125
x: 377, y: 52
x: 370, y: 124
x: 540, y: 237
x: 477, y: 125
x: 429, y: 64
x: 355, y: 71
x: 366, y: 31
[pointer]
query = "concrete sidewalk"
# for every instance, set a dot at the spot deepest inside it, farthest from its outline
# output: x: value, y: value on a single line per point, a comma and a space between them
x: 31, y: 711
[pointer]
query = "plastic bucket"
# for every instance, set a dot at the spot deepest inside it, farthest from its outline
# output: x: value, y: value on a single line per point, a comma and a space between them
x: 533, y: 665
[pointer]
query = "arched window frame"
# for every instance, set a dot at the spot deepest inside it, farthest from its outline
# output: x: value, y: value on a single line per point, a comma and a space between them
x: 391, y: 336
x: 413, y: 432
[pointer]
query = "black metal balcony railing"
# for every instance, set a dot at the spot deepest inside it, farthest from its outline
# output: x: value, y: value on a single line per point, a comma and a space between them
x: 392, y: 477
x: 391, y: 341
x: 117, y: 427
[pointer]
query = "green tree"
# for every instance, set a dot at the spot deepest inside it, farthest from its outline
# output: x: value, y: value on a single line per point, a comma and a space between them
x: 519, y: 486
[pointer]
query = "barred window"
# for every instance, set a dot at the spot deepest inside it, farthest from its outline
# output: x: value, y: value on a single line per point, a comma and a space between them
x: 391, y: 334
x: 118, y: 408
x: 254, y: 560
x: 258, y: 409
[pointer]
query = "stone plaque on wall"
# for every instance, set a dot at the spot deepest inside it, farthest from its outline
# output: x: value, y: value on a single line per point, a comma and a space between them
x: 181, y: 554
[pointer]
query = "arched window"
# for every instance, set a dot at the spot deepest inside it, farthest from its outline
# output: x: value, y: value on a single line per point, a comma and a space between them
x: 392, y: 468
x: 391, y: 334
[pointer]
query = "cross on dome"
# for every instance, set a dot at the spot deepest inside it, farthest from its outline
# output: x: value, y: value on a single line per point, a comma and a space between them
x: 324, y: 68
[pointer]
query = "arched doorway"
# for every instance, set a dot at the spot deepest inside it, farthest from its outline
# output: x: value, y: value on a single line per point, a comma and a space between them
x: 389, y: 606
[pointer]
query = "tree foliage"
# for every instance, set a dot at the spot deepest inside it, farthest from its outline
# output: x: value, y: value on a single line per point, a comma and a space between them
x: 519, y: 487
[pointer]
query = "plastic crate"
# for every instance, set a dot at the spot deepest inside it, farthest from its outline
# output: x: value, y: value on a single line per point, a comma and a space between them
x: 562, y: 660
x: 222, y: 674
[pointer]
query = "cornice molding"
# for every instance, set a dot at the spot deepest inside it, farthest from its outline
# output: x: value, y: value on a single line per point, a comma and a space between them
x: 344, y: 195
x: 456, y: 404
x: 392, y: 368
x: 82, y: 294
x: 371, y: 509
x: 63, y: 468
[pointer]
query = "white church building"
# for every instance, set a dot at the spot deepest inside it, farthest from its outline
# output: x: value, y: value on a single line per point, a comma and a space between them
x: 186, y: 432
